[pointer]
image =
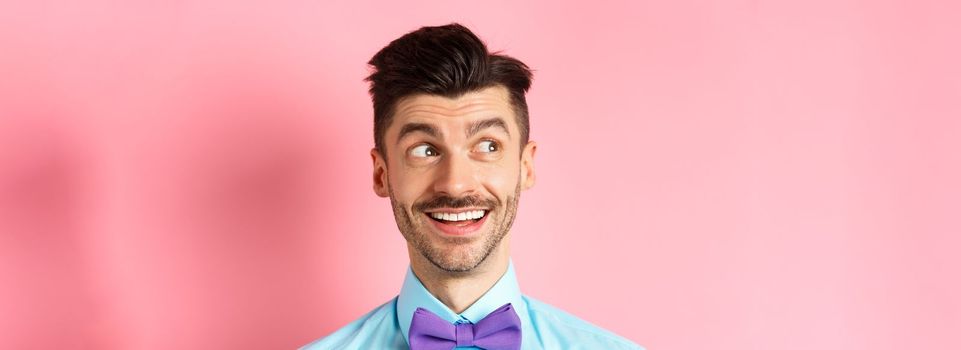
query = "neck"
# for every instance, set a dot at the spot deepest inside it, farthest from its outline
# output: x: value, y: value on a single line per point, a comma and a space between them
x: 459, y: 290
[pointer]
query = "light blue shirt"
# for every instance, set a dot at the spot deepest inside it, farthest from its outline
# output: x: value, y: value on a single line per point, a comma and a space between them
x: 542, y: 326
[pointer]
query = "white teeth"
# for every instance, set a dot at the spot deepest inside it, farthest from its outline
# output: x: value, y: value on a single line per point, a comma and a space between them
x: 467, y: 215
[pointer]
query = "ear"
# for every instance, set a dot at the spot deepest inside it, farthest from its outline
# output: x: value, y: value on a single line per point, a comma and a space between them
x: 527, y: 165
x: 380, y: 173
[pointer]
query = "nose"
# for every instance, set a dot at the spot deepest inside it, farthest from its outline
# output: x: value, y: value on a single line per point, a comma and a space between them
x: 456, y: 177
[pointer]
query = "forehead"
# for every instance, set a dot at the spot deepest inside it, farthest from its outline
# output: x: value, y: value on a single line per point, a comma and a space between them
x: 487, y: 102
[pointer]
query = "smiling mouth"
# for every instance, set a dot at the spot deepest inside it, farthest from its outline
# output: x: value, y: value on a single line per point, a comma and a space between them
x: 461, y: 218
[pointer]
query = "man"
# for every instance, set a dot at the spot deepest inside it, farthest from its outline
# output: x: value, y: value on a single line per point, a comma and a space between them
x: 452, y: 153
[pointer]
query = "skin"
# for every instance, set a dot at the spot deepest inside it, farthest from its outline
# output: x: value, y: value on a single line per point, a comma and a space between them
x: 425, y: 173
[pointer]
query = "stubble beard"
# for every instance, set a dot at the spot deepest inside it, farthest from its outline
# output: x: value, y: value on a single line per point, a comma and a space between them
x: 465, y: 254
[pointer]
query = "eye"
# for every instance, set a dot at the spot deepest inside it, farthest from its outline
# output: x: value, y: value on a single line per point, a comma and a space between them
x: 423, y: 151
x: 488, y: 146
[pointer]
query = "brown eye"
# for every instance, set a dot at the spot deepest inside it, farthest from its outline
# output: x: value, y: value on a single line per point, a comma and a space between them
x: 423, y: 151
x: 488, y: 146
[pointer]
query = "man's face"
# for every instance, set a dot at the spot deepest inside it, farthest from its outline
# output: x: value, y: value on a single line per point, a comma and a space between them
x: 454, y: 170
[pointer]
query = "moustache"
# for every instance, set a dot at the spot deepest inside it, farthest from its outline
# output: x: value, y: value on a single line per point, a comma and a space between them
x: 456, y: 203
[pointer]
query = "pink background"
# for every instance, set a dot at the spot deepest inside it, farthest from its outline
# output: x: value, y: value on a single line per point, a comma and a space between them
x: 712, y: 175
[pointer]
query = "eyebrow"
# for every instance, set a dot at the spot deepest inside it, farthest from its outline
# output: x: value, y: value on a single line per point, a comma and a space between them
x: 472, y: 128
x: 477, y: 126
x: 411, y: 128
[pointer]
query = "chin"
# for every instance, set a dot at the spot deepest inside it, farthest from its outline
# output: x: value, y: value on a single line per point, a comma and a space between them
x: 458, y: 258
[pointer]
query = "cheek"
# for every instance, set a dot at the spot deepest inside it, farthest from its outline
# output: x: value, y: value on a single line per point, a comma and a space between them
x: 408, y: 186
x: 501, y: 179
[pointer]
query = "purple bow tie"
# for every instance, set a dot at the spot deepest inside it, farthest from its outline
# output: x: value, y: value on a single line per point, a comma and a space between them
x: 500, y: 330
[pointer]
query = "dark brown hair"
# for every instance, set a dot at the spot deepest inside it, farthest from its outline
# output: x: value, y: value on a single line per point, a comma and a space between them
x: 448, y: 61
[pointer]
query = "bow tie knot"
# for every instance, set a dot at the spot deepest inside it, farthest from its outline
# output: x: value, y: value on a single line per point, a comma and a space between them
x: 465, y: 334
x: 500, y: 330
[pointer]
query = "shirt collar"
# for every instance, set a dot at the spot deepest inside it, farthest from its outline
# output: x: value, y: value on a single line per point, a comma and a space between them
x: 413, y: 294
